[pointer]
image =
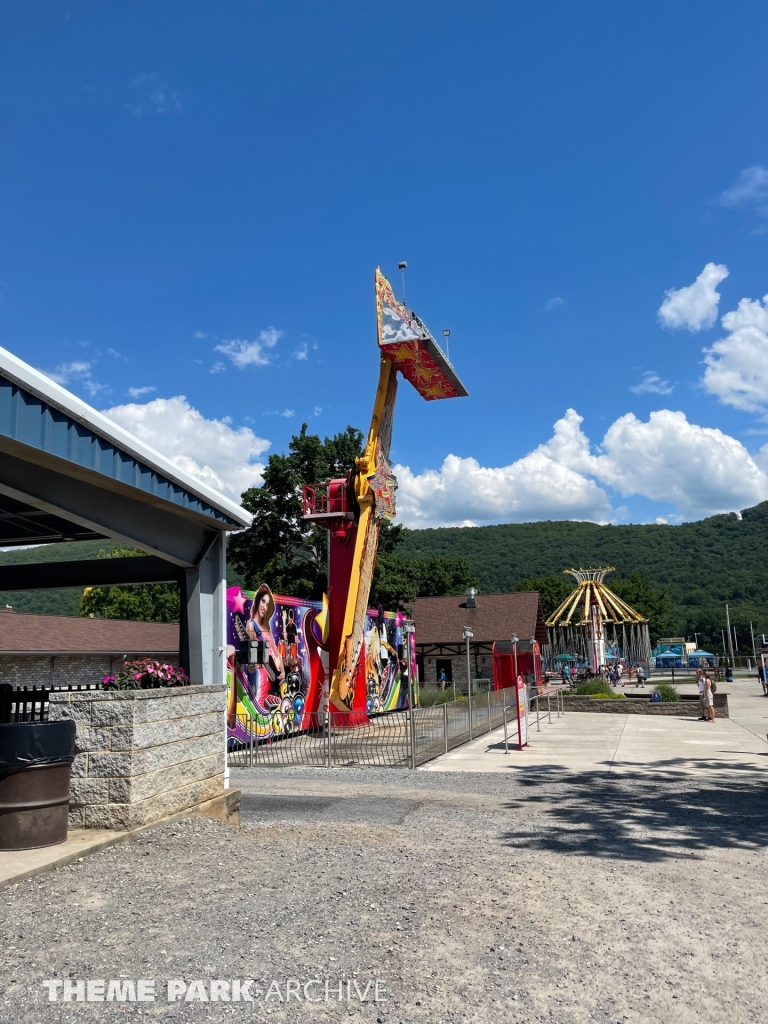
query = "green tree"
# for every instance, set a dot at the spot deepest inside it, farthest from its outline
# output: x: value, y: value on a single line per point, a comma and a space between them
x: 397, y: 580
x: 553, y: 590
x: 142, y: 602
x: 292, y: 556
x: 652, y: 603
x: 280, y: 548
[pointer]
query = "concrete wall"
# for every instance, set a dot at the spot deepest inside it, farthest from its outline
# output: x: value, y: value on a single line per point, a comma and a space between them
x: 143, y: 754
x: 65, y: 669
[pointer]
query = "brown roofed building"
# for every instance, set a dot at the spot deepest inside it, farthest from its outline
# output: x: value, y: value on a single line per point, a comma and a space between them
x: 46, y: 650
x: 440, y: 623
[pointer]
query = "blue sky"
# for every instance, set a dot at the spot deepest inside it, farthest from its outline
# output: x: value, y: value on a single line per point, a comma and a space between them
x: 178, y: 177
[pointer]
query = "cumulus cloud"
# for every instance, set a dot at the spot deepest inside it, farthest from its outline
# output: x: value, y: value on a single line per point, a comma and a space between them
x: 212, y: 451
x: 737, y: 365
x: 751, y: 189
x: 77, y: 372
x: 694, y: 307
x: 251, y: 353
x: 652, y: 384
x: 698, y: 470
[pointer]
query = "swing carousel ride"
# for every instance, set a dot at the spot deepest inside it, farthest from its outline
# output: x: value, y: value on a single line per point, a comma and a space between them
x: 581, y: 624
x: 353, y: 508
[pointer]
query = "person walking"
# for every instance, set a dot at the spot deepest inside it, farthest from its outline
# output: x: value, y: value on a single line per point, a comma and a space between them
x: 761, y: 677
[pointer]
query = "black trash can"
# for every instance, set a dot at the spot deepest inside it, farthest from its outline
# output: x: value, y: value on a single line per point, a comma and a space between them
x: 35, y: 764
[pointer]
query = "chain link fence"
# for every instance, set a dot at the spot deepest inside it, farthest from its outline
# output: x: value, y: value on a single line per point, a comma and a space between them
x: 403, y: 739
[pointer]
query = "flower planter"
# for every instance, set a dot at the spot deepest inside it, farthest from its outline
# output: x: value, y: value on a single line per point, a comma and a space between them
x: 35, y: 764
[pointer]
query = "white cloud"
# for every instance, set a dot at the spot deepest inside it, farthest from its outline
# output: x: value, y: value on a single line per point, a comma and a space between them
x: 652, y: 384
x: 694, y: 307
x: 302, y: 352
x: 139, y: 392
x: 751, y: 189
x: 464, y: 493
x: 698, y: 470
x: 151, y: 95
x: 217, y: 367
x: 737, y: 365
x: 210, y: 450
x: 287, y: 413
x: 77, y: 372
x: 199, y: 334
x: 318, y: 410
x: 251, y: 353
x: 557, y: 301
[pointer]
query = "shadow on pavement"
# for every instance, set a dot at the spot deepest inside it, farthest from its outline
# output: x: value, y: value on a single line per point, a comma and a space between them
x: 653, y: 812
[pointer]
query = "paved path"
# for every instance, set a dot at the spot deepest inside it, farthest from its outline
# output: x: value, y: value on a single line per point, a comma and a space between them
x: 580, y: 742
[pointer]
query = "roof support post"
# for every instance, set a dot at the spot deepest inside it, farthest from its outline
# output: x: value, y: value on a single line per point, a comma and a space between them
x: 203, y: 618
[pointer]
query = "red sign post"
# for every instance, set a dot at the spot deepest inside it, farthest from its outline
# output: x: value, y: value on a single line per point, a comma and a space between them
x: 522, y: 714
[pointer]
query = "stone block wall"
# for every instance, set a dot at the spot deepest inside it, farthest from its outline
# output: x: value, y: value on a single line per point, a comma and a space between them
x: 644, y: 706
x: 143, y: 754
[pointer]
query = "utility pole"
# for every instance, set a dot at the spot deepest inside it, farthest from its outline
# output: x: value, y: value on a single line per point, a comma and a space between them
x: 730, y: 638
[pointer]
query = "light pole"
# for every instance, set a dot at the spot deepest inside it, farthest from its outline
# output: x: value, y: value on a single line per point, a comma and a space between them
x: 730, y: 638
x: 467, y: 635
x: 447, y: 336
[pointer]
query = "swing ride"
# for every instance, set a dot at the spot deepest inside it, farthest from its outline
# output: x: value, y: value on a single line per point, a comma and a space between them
x: 580, y: 625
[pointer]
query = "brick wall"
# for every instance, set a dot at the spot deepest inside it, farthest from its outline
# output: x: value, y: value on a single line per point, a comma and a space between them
x: 459, y: 667
x: 63, y: 669
x: 143, y: 754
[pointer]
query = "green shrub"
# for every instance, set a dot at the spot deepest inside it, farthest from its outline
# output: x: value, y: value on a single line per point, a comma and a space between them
x: 592, y: 686
x: 430, y: 697
x: 668, y: 692
x: 608, y: 696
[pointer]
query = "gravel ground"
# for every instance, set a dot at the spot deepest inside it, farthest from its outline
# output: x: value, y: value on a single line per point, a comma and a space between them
x: 535, y: 897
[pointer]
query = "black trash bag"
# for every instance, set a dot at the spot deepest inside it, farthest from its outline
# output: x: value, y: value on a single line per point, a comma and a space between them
x: 27, y: 744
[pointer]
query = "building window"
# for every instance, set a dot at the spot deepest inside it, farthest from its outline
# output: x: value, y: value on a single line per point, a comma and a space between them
x: 444, y: 665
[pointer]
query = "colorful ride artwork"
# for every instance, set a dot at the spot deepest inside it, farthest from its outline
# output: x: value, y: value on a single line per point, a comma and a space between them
x: 285, y: 695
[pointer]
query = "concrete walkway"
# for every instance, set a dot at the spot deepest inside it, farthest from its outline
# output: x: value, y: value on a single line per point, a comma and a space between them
x: 579, y: 742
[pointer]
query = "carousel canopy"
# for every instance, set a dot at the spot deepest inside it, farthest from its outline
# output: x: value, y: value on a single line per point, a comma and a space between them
x: 575, y: 610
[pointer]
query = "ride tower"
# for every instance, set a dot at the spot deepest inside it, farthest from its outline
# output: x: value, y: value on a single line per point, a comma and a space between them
x: 353, y: 508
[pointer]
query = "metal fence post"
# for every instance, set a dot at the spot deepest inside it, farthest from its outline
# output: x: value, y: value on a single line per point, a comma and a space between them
x: 445, y: 725
x: 549, y: 708
x: 506, y: 741
x: 489, y: 711
x: 250, y: 736
x: 413, y: 734
x: 329, y: 754
x: 538, y: 727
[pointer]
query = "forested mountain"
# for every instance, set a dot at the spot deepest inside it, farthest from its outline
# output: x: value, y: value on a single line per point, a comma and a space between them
x: 700, y: 565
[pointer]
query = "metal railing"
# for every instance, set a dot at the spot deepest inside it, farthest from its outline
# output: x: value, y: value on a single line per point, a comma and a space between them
x: 403, y: 739
x: 538, y: 697
x: 30, y: 703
